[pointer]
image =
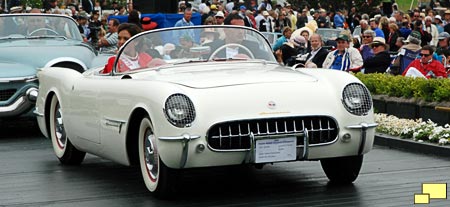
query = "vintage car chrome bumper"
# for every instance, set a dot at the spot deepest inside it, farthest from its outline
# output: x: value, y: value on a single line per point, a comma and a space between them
x: 363, y: 127
x: 302, y: 150
x: 21, y: 105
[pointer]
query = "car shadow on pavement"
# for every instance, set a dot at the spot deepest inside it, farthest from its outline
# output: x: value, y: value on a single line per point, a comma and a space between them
x: 17, y: 128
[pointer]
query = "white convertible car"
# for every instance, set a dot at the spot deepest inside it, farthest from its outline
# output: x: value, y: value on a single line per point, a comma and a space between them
x: 185, y: 98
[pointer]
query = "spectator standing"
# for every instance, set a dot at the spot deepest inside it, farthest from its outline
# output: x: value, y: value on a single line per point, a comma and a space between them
x: 281, y: 22
x: 431, y: 29
x: 98, y: 8
x: 384, y: 26
x: 185, y: 21
x: 392, y: 37
x: 133, y: 18
x: 374, y: 26
x: 265, y: 24
x: 344, y: 58
x: 339, y: 20
x: 109, y: 42
x: 425, y: 67
x: 381, y: 59
x: 251, y: 18
x: 88, y: 6
x: 302, y: 19
x: 438, y: 23
x: 405, y: 30
x: 247, y: 21
x: 322, y: 20
x: 425, y: 36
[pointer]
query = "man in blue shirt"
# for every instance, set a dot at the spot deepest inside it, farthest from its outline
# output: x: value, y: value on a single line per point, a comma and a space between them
x: 339, y: 20
x: 185, y: 21
x: 374, y: 26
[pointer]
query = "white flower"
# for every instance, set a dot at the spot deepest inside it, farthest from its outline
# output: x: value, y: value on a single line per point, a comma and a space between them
x: 443, y: 141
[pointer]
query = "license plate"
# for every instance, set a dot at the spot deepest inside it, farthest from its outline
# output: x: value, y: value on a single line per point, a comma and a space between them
x: 276, y: 150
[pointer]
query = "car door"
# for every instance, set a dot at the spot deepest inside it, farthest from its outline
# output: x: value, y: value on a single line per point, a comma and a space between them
x: 84, y: 117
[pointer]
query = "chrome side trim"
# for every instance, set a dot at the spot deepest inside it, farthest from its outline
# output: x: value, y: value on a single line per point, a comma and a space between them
x: 114, y: 123
x: 185, y: 138
x: 363, y: 127
x: 180, y: 138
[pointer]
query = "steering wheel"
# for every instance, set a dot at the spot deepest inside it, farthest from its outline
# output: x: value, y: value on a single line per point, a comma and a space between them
x: 213, y: 54
x: 44, y: 29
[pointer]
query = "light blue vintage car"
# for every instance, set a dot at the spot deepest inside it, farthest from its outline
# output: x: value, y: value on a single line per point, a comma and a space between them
x: 32, y: 41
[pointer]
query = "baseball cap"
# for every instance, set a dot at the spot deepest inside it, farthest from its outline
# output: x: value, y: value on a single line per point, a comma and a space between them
x: 443, y: 35
x: 243, y: 7
x: 219, y: 14
x: 343, y: 37
x: 438, y: 17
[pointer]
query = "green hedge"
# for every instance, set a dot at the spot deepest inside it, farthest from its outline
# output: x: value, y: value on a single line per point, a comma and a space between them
x: 431, y: 90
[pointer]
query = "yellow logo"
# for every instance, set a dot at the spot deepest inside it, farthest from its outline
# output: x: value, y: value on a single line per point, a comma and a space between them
x: 431, y: 191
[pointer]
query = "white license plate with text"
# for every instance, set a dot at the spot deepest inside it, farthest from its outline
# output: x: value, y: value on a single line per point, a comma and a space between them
x: 276, y: 150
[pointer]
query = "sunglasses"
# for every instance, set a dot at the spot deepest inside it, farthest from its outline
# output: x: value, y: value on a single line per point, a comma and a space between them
x: 367, y: 36
x: 424, y: 55
x: 375, y: 45
x: 416, y: 16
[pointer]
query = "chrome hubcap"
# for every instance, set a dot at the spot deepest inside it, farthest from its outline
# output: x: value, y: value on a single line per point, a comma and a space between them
x: 151, y: 155
x: 59, y: 127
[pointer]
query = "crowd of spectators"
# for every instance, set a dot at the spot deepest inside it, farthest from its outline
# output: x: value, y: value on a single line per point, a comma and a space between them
x: 378, y: 42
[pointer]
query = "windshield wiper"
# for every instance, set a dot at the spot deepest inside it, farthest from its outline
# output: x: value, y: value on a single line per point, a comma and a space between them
x: 13, y: 37
x: 226, y: 59
x: 47, y: 37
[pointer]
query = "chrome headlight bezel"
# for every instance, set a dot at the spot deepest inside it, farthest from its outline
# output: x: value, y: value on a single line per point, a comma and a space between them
x: 356, y: 99
x: 179, y: 110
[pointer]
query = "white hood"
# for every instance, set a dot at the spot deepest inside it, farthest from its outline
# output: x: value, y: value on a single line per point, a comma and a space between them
x: 219, y: 75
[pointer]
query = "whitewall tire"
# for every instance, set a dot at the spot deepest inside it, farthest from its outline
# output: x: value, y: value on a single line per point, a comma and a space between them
x: 158, y: 178
x: 64, y: 150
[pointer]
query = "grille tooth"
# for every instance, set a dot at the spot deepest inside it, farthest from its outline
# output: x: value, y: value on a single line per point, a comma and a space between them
x: 7, y: 94
x: 235, y: 135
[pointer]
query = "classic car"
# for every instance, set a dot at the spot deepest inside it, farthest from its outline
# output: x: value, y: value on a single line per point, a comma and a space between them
x: 224, y: 102
x: 32, y: 41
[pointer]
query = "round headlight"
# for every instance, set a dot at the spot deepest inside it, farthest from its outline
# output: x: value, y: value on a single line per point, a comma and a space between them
x: 357, y: 99
x: 179, y: 110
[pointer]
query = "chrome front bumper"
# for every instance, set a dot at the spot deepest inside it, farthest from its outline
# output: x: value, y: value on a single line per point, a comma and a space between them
x: 21, y: 105
x: 303, y: 151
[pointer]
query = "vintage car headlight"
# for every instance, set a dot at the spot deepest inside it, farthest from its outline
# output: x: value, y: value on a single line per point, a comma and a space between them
x: 179, y: 110
x: 356, y: 99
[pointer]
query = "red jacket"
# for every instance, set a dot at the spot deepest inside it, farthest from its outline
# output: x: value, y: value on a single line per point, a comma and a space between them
x: 143, y: 60
x: 435, y: 66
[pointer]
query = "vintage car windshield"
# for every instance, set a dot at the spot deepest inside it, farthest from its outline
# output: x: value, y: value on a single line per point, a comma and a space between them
x: 172, y: 46
x: 38, y: 26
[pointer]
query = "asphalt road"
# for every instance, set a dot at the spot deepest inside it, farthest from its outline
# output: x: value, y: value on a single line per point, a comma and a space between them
x: 30, y: 175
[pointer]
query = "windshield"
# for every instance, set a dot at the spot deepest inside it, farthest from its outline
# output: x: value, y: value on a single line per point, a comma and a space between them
x: 185, y: 45
x: 28, y: 26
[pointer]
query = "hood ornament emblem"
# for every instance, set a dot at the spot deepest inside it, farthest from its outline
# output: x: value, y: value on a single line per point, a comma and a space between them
x: 271, y: 105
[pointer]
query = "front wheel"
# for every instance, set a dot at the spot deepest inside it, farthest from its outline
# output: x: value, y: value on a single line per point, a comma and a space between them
x: 342, y: 170
x: 64, y: 150
x: 158, y: 178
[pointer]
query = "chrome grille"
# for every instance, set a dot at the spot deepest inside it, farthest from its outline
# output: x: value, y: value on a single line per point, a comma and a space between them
x: 236, y: 135
x: 6, y: 94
